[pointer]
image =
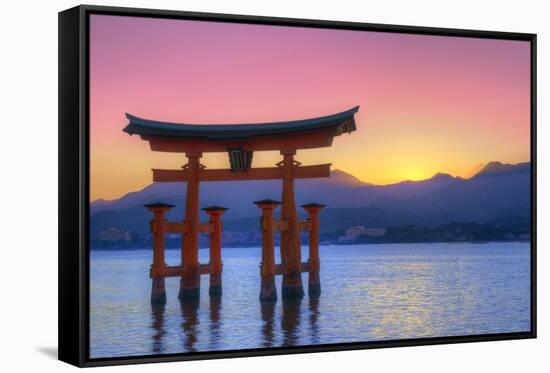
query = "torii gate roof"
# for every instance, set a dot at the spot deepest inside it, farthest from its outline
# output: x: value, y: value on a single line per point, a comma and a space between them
x: 198, y: 138
x: 145, y: 127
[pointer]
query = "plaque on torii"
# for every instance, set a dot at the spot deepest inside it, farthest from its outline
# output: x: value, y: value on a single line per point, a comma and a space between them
x: 240, y: 141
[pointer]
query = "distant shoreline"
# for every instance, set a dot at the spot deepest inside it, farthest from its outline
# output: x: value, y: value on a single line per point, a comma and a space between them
x: 143, y: 248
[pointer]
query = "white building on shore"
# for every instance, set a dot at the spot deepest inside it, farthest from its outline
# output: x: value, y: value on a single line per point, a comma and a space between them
x: 353, y: 233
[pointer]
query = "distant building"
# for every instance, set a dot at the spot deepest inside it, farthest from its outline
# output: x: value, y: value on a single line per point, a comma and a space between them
x: 374, y: 232
x: 231, y: 238
x: 354, y: 232
x: 351, y: 234
x: 114, y: 234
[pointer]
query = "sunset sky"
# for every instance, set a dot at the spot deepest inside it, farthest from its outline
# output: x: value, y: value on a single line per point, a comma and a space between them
x: 428, y: 103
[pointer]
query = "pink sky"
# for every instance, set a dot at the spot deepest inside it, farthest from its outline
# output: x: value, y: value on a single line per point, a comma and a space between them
x: 428, y: 103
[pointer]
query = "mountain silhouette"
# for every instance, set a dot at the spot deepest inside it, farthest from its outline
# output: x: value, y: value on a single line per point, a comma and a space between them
x: 497, y: 168
x: 497, y: 191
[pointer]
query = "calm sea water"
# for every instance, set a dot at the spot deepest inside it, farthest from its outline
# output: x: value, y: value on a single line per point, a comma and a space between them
x: 369, y: 293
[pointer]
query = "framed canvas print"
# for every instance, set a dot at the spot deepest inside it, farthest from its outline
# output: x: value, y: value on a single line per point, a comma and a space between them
x: 237, y: 186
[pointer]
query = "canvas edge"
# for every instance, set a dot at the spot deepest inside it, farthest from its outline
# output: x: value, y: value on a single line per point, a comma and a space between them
x: 69, y: 169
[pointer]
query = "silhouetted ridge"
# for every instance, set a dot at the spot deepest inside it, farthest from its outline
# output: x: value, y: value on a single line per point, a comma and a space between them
x: 343, y: 177
x: 440, y: 176
x: 499, y: 191
x: 498, y: 168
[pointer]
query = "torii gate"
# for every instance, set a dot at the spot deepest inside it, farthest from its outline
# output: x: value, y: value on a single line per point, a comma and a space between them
x: 240, y: 141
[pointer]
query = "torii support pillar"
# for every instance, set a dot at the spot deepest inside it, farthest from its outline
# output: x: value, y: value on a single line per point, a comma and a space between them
x: 290, y: 238
x: 268, y: 290
x: 215, y: 212
x: 158, y: 268
x: 314, y: 283
x: 191, y: 277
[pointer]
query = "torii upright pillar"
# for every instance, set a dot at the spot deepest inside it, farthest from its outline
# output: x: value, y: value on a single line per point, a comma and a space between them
x: 158, y: 269
x: 314, y: 283
x: 290, y: 238
x: 191, y: 277
x: 215, y: 212
x: 268, y: 290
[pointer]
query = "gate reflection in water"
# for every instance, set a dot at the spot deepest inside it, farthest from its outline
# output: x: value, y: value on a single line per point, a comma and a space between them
x: 291, y: 319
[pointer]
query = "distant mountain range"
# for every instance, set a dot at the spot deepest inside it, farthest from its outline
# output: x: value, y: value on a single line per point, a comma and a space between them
x: 496, y: 191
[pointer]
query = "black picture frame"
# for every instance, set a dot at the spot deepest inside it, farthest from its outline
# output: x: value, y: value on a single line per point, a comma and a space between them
x: 74, y: 183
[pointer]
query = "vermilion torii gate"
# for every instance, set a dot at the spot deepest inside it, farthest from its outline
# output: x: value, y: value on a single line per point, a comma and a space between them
x: 240, y: 141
